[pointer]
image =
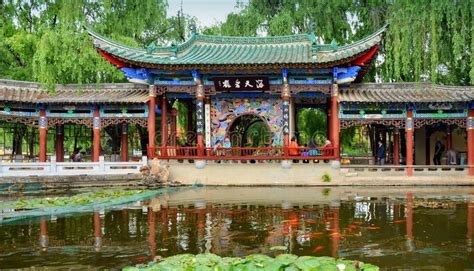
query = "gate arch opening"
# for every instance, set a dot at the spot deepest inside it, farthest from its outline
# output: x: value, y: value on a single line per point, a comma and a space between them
x: 249, y: 130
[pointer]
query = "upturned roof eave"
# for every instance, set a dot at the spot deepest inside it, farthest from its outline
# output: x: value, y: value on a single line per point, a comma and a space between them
x: 169, y: 56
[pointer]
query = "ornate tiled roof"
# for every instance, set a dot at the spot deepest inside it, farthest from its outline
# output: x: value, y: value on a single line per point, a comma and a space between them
x: 406, y: 92
x: 302, y: 49
x: 19, y: 91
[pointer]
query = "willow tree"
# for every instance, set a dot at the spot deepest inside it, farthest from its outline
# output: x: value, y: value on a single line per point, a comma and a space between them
x: 428, y: 40
x: 45, y: 40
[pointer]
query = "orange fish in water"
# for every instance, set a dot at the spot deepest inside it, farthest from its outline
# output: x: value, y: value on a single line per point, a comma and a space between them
x: 399, y: 221
x: 335, y: 234
x: 310, y: 221
x: 358, y: 222
x: 353, y: 227
x: 315, y: 234
x: 318, y: 248
x: 140, y: 259
x: 373, y: 228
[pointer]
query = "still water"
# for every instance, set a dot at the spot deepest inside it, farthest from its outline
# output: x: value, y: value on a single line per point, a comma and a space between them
x: 394, y: 228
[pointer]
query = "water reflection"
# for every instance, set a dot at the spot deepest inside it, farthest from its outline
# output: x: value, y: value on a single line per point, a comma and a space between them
x: 403, y: 230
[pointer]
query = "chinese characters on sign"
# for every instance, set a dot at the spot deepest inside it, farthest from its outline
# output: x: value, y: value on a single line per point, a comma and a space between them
x: 200, y: 117
x: 241, y: 83
x: 286, y: 117
x: 207, y: 126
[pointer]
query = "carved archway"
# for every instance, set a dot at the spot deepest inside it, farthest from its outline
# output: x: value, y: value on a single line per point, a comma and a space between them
x: 239, y: 128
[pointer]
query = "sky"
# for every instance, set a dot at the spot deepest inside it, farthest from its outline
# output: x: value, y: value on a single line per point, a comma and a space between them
x: 208, y: 12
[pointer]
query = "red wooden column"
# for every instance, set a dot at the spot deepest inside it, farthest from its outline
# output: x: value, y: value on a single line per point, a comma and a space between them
x: 409, y: 142
x: 396, y: 147
x: 43, y: 240
x: 285, y: 95
x: 334, y: 124
x: 97, y: 231
x: 470, y: 226
x: 43, y: 132
x: 124, y: 143
x: 410, y: 245
x: 164, y: 124
x: 199, y: 113
x: 449, y: 138
x: 151, y: 232
x: 59, y: 146
x: 470, y: 141
x: 151, y: 122
x: 335, y: 236
x: 96, y: 136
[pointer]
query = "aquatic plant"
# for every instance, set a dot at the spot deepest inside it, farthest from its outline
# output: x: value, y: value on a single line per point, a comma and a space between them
x: 253, y: 262
x: 326, y: 177
x: 69, y: 201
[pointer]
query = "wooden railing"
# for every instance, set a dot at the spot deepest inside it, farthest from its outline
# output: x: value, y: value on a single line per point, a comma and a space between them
x: 238, y: 153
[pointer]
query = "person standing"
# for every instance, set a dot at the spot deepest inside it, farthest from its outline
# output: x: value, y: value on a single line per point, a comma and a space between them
x: 381, y: 152
x: 439, y: 149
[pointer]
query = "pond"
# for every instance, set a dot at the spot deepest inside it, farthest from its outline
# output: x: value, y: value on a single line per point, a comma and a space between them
x: 397, y: 228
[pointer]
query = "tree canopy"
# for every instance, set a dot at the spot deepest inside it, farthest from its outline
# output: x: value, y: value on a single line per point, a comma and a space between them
x: 43, y: 40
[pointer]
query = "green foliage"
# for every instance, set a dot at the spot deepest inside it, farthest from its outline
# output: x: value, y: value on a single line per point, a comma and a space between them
x: 254, y: 262
x: 326, y: 192
x: 44, y: 40
x: 326, y: 177
x: 312, y: 125
x: 428, y: 40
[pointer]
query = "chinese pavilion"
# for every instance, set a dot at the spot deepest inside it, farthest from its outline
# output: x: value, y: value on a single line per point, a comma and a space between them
x: 231, y: 83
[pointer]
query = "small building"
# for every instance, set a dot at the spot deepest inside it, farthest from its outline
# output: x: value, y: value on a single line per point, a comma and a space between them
x: 231, y: 84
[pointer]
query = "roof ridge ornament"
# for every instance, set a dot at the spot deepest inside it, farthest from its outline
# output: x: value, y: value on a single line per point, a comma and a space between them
x: 151, y: 48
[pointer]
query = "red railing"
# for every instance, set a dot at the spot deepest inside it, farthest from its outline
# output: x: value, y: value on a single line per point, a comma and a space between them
x: 238, y: 153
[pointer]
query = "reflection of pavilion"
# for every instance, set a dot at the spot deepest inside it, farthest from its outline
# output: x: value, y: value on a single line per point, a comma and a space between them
x: 216, y: 229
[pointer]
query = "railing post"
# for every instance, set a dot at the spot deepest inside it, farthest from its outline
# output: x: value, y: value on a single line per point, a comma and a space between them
x: 53, y: 168
x: 144, y: 160
x: 101, y: 164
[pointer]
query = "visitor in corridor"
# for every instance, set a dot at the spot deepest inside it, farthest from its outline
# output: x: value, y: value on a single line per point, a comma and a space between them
x: 218, y: 148
x: 451, y: 157
x: 76, y: 155
x: 439, y: 149
x: 294, y: 147
x: 381, y: 152
x: 227, y: 145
